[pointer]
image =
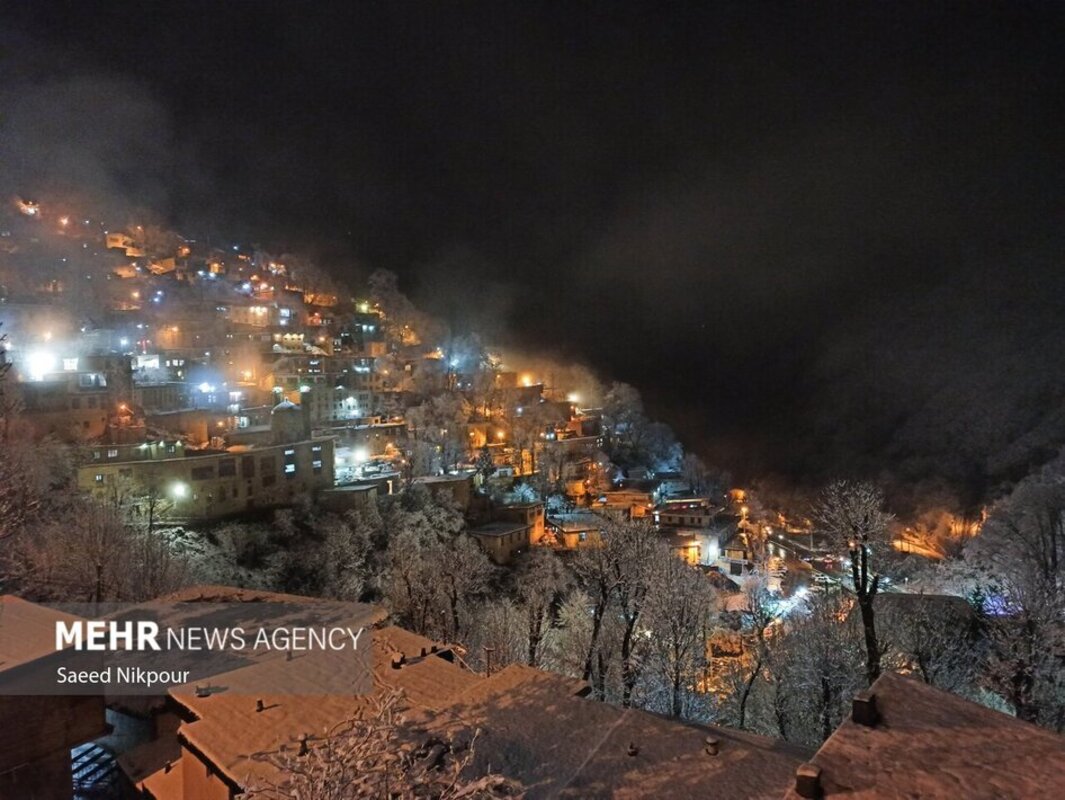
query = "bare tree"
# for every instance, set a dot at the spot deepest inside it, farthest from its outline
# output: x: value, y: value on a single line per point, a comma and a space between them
x: 1019, y: 558
x: 599, y: 581
x: 933, y: 637
x: 90, y: 555
x: 463, y: 574
x: 677, y: 614
x: 852, y: 515
x: 814, y: 671
x: 760, y: 609
x: 542, y: 580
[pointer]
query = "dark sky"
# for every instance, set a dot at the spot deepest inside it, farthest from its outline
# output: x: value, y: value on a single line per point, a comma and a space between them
x: 820, y: 237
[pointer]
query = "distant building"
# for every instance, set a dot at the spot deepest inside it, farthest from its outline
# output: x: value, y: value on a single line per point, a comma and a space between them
x: 693, y: 512
x: 573, y: 530
x: 502, y: 540
x: 210, y: 484
x: 458, y: 487
x: 625, y: 504
x: 529, y: 514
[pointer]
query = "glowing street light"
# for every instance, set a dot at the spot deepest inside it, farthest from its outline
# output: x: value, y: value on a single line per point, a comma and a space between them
x: 40, y: 363
x: 179, y: 490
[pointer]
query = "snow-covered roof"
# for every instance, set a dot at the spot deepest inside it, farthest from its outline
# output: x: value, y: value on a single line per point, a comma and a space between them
x: 27, y: 630
x: 536, y: 729
x: 934, y: 745
x: 234, y: 735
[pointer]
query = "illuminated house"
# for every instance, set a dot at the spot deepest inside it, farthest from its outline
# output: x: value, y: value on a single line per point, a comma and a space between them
x: 529, y: 514
x: 573, y: 530
x: 210, y: 484
x: 694, y: 512
x: 73, y: 397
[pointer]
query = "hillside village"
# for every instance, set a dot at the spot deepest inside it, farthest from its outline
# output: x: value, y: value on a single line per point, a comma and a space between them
x: 538, y: 559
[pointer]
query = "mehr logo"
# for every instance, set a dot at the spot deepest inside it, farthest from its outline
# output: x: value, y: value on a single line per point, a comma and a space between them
x: 107, y: 635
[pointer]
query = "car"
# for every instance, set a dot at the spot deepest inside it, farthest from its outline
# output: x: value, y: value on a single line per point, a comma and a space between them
x: 823, y: 579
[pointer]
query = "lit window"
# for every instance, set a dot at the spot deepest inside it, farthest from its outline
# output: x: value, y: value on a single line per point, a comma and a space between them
x: 99, y: 477
x: 113, y: 453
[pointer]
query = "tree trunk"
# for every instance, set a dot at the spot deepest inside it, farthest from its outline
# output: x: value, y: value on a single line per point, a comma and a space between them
x: 597, y: 624
x: 628, y: 674
x: 748, y: 685
x: 601, y: 677
x: 535, y: 635
x: 826, y: 708
x: 872, y: 647
x: 866, y: 591
x: 677, y: 710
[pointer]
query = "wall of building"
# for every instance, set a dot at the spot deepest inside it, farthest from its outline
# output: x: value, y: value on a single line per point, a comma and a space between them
x: 200, y: 780
x: 36, y: 736
x: 222, y: 483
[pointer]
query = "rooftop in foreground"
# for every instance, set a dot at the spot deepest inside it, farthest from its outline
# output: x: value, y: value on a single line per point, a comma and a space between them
x: 934, y: 745
x: 536, y: 728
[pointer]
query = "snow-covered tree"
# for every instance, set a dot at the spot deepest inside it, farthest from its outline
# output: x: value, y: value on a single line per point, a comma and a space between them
x: 852, y: 515
x: 542, y: 579
x: 378, y: 752
x: 678, y: 620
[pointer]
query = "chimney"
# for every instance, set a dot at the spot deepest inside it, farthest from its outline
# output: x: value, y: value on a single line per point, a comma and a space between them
x: 398, y: 660
x: 633, y: 749
x: 259, y: 707
x: 808, y: 781
x: 203, y: 691
x: 303, y: 744
x: 713, y: 745
x: 863, y: 709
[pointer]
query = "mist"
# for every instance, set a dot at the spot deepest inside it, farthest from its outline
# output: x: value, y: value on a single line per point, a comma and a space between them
x: 838, y: 260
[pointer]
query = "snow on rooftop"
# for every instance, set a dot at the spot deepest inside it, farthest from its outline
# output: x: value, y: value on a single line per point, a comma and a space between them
x: 27, y: 630
x: 537, y: 730
x: 934, y: 745
x: 234, y: 735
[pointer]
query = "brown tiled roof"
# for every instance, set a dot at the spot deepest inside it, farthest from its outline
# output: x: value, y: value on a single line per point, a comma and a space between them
x: 233, y: 735
x: 933, y: 745
x: 535, y: 729
x: 27, y: 630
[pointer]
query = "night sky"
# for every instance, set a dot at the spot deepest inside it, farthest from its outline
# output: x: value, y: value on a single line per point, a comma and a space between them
x: 821, y: 239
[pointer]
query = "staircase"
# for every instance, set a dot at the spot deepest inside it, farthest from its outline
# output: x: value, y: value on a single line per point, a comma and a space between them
x: 95, y: 773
